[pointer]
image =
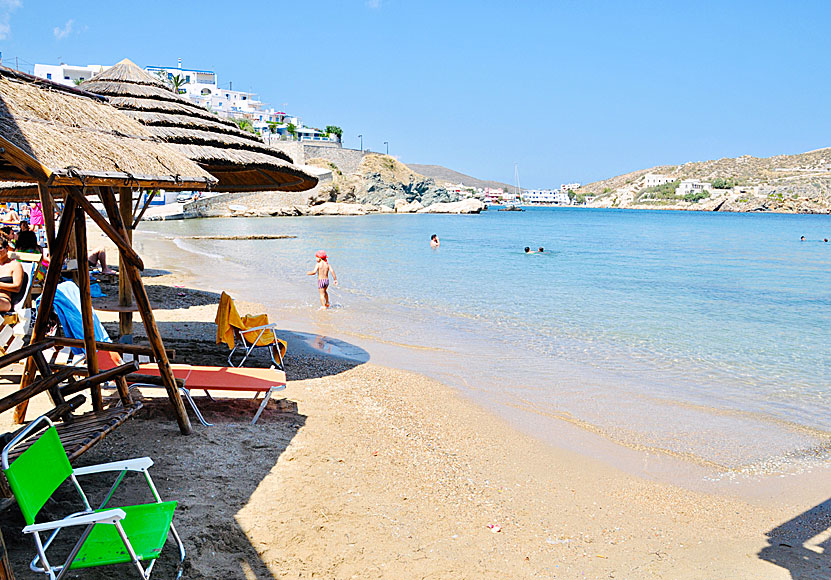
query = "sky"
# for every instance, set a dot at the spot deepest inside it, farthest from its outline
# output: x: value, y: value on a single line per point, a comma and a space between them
x: 566, y: 90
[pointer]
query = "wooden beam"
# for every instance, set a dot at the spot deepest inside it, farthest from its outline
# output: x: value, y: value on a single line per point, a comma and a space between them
x: 116, y: 236
x: 86, y: 306
x: 25, y: 352
x: 24, y: 161
x: 125, y: 296
x: 116, y: 179
x: 35, y: 388
x: 47, y: 204
x: 47, y: 297
x: 102, y: 377
x: 143, y: 209
x: 153, y: 334
x: 133, y: 349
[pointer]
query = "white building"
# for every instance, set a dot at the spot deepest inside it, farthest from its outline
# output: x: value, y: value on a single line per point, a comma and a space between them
x: 689, y: 186
x: 202, y: 87
x: 546, y: 196
x: 655, y: 179
x: 572, y: 186
x: 66, y: 74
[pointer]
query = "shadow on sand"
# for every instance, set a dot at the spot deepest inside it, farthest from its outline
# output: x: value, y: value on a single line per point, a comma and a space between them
x: 212, y: 473
x: 802, y: 545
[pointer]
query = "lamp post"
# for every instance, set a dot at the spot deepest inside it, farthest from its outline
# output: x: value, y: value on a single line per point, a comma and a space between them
x: 387, y: 143
x: 362, y: 142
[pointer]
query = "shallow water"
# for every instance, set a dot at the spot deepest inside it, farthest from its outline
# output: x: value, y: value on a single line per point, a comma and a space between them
x: 702, y: 335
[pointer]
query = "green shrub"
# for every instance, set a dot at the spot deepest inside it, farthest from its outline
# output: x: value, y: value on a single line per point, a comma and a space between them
x: 663, y: 191
x: 696, y: 197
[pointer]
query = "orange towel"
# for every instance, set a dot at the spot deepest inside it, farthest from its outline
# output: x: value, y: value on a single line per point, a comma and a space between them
x: 227, y: 318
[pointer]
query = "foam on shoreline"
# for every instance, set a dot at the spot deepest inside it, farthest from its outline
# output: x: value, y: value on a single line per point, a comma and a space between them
x: 317, y: 334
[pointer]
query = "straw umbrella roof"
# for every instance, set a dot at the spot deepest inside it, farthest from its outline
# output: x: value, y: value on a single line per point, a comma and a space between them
x: 63, y: 136
x: 237, y: 158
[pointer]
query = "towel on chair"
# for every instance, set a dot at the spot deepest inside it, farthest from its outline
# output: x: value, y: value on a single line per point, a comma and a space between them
x: 228, y: 319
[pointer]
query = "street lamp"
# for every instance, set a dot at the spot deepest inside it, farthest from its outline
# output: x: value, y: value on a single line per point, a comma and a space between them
x: 387, y: 143
x: 362, y: 142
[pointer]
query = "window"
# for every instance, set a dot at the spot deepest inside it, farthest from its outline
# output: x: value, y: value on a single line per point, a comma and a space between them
x: 187, y: 78
x: 67, y: 78
x: 49, y: 76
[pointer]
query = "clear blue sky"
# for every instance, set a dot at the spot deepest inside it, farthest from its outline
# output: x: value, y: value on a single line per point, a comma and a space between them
x: 569, y: 90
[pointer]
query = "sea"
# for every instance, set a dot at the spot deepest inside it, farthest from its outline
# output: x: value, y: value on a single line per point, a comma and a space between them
x: 686, y: 337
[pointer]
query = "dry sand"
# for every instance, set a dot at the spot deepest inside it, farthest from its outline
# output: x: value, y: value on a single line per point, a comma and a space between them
x: 362, y: 472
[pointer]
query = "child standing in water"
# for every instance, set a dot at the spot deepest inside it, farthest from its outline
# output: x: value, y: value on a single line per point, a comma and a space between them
x: 323, y: 269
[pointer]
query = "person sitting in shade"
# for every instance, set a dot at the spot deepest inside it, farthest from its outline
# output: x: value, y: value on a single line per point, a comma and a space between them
x: 8, y: 216
x: 98, y: 258
x: 27, y: 240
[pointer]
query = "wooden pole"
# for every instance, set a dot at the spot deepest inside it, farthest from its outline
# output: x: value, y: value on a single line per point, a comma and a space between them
x: 47, y: 204
x: 117, y: 237
x: 143, y: 303
x: 86, y: 307
x: 47, y: 297
x: 125, y: 297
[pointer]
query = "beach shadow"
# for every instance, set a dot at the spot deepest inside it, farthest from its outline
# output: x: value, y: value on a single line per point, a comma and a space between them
x: 308, y: 356
x: 162, y: 296
x: 211, y: 473
x: 802, y: 545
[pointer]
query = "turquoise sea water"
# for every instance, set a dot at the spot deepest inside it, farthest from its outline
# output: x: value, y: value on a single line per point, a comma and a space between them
x: 703, y: 335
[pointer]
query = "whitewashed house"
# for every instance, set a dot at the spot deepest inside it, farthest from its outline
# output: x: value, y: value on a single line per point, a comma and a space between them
x: 66, y: 74
x: 656, y: 179
x: 689, y: 186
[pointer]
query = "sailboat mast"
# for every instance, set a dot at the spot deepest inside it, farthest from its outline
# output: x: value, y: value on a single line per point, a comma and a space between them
x: 516, y: 180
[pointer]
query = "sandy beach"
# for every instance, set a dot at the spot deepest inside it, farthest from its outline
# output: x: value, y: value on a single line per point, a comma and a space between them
x: 362, y: 471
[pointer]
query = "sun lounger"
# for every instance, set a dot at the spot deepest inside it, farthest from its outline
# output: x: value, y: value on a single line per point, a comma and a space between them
x: 208, y: 378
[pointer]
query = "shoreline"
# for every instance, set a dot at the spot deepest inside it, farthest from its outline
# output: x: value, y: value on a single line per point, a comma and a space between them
x: 370, y: 471
x: 765, y: 482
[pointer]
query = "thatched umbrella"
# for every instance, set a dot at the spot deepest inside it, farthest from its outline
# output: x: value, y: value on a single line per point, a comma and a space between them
x: 71, y: 143
x: 237, y: 158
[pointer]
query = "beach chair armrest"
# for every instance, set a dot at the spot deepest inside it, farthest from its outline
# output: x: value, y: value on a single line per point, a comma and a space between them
x: 105, y: 517
x: 269, y: 326
x: 138, y: 464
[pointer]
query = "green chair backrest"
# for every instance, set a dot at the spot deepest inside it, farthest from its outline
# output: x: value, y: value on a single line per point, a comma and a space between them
x: 38, y: 472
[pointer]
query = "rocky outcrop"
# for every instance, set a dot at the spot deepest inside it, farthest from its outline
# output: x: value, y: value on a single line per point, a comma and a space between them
x: 332, y: 208
x: 402, y: 206
x: 380, y: 180
x: 465, y: 206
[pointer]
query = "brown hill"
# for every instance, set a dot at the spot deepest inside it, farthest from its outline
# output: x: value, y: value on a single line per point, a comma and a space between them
x: 445, y: 175
x: 787, y: 183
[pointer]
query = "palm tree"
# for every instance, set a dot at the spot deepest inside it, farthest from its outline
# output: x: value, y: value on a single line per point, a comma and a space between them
x: 245, y: 124
x: 178, y: 81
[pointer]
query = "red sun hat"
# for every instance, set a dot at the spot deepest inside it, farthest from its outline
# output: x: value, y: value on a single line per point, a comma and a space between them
x: 321, y: 254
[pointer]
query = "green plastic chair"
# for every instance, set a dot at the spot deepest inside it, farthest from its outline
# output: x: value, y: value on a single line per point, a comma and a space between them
x: 109, y: 535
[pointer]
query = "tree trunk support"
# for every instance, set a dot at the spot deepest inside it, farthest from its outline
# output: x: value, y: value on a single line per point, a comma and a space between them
x: 86, y: 307
x: 125, y: 296
x: 143, y: 303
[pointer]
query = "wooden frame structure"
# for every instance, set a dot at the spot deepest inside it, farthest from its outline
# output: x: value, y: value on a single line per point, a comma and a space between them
x: 33, y: 111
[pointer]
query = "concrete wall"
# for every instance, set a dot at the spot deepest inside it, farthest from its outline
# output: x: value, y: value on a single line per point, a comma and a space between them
x: 347, y: 160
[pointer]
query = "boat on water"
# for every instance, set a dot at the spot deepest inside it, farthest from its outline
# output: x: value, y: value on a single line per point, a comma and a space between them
x: 513, y: 206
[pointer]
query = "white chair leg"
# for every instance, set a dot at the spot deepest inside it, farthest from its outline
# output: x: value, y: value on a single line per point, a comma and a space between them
x: 265, y: 401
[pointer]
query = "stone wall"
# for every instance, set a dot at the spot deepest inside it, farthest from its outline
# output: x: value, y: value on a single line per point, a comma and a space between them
x: 347, y: 160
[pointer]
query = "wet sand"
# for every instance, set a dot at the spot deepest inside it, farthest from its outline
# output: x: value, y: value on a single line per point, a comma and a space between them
x: 362, y: 471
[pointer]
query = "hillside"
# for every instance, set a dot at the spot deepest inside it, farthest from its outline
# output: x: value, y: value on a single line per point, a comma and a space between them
x: 445, y: 175
x: 783, y: 183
